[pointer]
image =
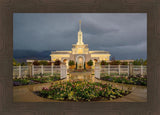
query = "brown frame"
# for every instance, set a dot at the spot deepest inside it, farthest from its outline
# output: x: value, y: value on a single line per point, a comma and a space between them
x: 8, y: 7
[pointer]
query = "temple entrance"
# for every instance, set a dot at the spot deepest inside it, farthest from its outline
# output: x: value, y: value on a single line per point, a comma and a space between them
x: 80, y: 62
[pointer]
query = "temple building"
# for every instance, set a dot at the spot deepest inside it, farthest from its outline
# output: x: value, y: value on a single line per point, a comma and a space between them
x: 80, y: 53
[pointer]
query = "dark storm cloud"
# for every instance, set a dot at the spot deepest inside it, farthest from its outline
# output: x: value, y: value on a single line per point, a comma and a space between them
x: 95, y: 29
x: 123, y: 34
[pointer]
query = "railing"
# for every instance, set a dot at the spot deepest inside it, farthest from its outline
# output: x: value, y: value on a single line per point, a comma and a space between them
x: 124, y: 69
x: 139, y: 70
x: 20, y: 71
x: 25, y: 71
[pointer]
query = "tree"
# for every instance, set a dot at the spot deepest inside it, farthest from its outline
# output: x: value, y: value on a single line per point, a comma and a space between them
x: 103, y: 62
x: 140, y: 62
x: 49, y: 63
x: 18, y: 64
x: 43, y: 62
x: 145, y: 62
x: 124, y: 63
x: 90, y: 63
x: 23, y: 64
x: 36, y: 62
x: 57, y: 62
x: 15, y: 63
x: 71, y: 62
x: 115, y: 62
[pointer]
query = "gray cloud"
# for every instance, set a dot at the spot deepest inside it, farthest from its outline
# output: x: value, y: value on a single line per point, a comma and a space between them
x: 123, y: 34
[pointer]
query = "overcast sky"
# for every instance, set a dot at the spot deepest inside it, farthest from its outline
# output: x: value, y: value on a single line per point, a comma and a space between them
x: 124, y: 35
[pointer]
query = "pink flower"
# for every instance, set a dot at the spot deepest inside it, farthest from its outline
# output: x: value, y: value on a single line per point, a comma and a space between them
x: 44, y: 88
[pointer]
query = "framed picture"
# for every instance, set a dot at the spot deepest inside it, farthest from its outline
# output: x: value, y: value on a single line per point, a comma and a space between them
x: 79, y: 57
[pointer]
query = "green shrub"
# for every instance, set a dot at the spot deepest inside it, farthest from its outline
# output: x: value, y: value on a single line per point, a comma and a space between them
x: 90, y: 63
x: 140, y: 62
x: 36, y: 62
x: 43, y: 62
x: 57, y: 62
x: 103, y: 62
x: 126, y: 80
x: 124, y: 63
x: 71, y: 62
x: 35, y: 80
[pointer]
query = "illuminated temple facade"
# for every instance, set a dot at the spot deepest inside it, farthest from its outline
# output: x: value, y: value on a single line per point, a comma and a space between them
x: 80, y: 53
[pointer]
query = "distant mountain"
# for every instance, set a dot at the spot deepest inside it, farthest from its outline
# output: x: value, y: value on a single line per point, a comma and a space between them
x: 23, y: 55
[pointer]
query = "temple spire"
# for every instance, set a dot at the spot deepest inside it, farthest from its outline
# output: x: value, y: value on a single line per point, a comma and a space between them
x: 79, y: 25
x: 80, y: 35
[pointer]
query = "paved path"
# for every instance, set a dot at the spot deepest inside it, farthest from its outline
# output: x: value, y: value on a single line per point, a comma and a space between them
x: 25, y: 93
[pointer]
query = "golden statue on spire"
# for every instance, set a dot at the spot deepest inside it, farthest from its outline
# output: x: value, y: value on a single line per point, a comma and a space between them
x: 79, y: 21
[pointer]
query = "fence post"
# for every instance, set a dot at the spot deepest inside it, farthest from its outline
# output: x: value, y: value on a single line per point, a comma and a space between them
x: 130, y: 69
x: 52, y: 69
x: 141, y: 69
x: 42, y: 69
x: 97, y: 70
x: 119, y: 69
x: 108, y: 69
x: 32, y: 70
x: 19, y: 71
x: 63, y: 70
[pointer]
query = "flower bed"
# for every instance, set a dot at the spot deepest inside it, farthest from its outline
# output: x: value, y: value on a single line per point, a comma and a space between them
x: 81, y: 91
x: 30, y: 81
x: 126, y: 80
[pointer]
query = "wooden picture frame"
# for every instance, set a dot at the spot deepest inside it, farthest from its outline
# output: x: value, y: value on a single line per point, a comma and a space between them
x: 151, y: 7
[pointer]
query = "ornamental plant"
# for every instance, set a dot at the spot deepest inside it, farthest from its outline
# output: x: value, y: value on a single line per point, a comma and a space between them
x: 140, y: 62
x: 35, y: 80
x: 44, y: 62
x: 36, y: 62
x: 103, y: 62
x: 90, y: 63
x: 124, y: 63
x: 81, y: 91
x: 57, y: 62
x: 133, y: 80
x: 23, y: 64
x: 71, y: 63
x: 115, y: 62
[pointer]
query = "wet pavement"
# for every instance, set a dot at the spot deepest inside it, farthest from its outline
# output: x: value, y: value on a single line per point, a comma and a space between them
x: 26, y: 93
